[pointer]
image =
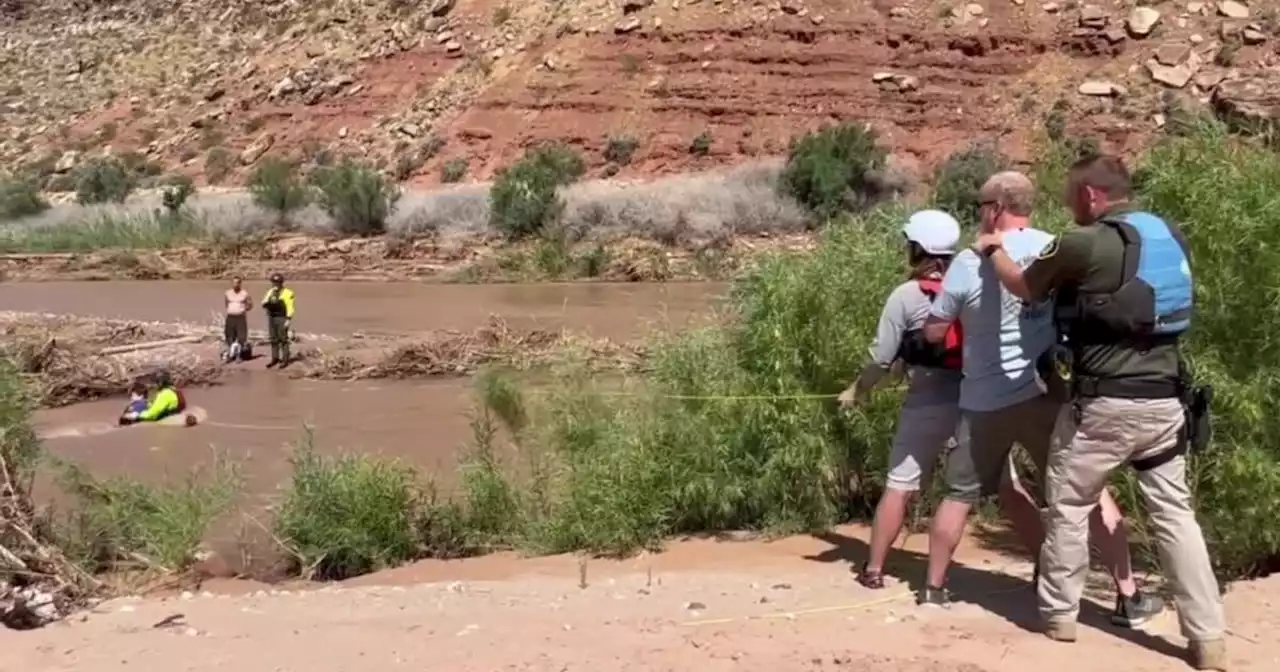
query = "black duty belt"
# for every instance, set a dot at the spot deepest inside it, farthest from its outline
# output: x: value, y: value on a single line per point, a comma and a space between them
x: 1121, y: 388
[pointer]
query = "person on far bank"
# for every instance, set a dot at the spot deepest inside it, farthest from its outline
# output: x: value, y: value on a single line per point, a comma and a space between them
x: 1122, y: 288
x: 279, y: 304
x: 236, y: 325
x: 1003, y: 403
x: 930, y: 411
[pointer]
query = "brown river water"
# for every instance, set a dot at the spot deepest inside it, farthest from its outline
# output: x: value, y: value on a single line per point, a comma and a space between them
x: 256, y: 421
x: 619, y: 311
x: 256, y: 417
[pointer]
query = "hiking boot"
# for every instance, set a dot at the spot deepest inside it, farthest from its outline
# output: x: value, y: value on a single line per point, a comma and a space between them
x: 1209, y: 655
x: 934, y: 597
x: 272, y: 364
x: 1060, y: 631
x: 1136, y: 609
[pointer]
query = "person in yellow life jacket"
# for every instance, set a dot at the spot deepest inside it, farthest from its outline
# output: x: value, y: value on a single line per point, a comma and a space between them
x: 166, y: 402
x: 279, y: 306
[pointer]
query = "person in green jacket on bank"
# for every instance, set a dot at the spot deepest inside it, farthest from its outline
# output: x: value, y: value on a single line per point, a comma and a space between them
x: 279, y: 304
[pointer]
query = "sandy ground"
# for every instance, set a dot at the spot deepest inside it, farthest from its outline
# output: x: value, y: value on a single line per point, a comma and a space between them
x: 787, y: 605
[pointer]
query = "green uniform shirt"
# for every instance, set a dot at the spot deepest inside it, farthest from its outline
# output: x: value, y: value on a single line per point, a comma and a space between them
x: 1091, y: 259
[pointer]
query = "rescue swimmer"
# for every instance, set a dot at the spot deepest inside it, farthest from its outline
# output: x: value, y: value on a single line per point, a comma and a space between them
x: 167, y: 401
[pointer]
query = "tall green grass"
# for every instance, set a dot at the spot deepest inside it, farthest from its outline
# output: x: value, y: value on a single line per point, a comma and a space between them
x: 153, y: 231
x: 620, y: 473
x: 1226, y: 194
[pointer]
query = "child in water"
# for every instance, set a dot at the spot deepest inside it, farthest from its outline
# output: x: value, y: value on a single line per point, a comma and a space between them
x: 137, y: 403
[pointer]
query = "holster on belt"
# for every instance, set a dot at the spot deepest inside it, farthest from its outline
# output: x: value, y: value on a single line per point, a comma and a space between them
x: 1196, y: 403
x: 1054, y: 369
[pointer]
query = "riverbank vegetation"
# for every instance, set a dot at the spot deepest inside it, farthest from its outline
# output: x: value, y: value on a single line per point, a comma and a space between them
x: 735, y: 426
x: 536, y: 212
x: 723, y: 431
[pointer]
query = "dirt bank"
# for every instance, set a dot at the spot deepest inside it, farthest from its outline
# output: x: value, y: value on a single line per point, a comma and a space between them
x: 389, y: 259
x: 743, y: 606
x: 70, y: 359
x: 414, y: 86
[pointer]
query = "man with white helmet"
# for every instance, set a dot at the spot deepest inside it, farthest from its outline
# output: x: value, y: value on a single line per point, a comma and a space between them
x: 930, y: 411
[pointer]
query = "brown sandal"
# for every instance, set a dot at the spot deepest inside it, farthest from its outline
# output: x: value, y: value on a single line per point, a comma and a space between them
x: 870, y: 579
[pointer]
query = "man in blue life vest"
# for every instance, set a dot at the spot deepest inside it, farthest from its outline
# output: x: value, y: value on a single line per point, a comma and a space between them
x: 1122, y: 290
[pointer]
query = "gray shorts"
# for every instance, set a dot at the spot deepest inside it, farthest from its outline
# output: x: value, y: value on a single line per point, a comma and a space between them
x: 923, y: 432
x: 985, y: 440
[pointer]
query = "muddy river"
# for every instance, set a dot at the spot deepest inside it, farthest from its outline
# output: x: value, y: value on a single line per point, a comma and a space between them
x: 256, y: 421
x: 607, y: 310
x: 255, y: 418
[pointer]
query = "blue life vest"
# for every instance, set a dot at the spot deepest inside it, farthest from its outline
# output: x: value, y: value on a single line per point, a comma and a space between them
x: 1154, y: 301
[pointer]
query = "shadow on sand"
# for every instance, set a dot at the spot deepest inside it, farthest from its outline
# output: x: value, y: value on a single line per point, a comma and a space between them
x: 1006, y: 596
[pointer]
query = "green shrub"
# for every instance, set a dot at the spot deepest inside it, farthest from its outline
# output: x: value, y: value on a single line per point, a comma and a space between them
x: 453, y: 170
x: 358, y: 198
x: 19, y: 198
x: 175, y: 192
x: 140, y: 165
x: 957, y: 180
x: 626, y: 473
x: 218, y: 164
x: 277, y: 188
x: 524, y: 199
x: 721, y: 431
x: 501, y: 15
x: 148, y: 230
x: 118, y: 522
x: 432, y: 147
x: 19, y: 447
x: 620, y: 149
x: 103, y: 180
x: 349, y: 515
x: 830, y: 171
x: 701, y: 144
x: 1225, y: 193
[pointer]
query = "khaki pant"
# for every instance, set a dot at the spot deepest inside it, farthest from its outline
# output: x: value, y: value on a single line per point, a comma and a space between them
x: 1102, y: 434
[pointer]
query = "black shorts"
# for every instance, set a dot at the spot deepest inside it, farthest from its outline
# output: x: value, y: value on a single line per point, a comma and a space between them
x: 236, y: 329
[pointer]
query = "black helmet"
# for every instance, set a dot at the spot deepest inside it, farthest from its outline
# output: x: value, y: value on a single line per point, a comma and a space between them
x: 277, y: 278
x: 163, y: 379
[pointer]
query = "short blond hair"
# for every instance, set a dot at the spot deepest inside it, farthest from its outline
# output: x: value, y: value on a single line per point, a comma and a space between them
x: 1011, y: 190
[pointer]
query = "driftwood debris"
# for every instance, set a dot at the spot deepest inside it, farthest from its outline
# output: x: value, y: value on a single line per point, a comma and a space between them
x: 135, y: 347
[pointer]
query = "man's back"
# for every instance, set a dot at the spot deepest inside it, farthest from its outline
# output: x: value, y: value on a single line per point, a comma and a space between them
x: 1101, y: 254
x: 1003, y: 336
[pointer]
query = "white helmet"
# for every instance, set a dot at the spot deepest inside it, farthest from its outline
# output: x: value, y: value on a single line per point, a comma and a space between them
x: 936, y: 232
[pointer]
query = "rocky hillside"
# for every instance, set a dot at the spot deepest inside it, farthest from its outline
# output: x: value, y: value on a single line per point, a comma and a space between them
x: 659, y: 85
